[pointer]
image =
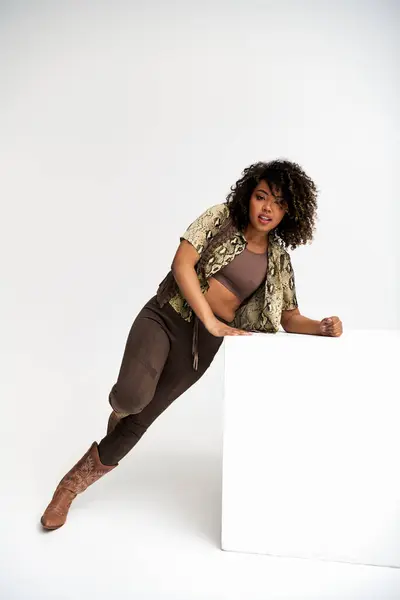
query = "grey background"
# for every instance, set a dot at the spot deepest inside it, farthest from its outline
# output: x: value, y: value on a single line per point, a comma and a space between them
x: 119, y: 124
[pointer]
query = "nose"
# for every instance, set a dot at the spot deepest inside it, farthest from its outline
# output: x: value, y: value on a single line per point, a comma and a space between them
x: 267, y: 205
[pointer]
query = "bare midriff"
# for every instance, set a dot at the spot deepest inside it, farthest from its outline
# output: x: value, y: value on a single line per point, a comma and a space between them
x: 222, y: 301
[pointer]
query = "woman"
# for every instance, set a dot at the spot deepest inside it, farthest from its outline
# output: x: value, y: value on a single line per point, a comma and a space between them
x: 231, y: 275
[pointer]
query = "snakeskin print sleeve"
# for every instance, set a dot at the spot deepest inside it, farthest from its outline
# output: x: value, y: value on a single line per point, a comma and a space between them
x: 205, y: 226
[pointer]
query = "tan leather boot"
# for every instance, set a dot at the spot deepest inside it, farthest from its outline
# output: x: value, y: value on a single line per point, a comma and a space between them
x: 86, y: 471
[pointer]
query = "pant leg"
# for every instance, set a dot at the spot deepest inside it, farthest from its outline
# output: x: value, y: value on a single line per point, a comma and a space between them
x: 176, y: 377
x: 146, y: 351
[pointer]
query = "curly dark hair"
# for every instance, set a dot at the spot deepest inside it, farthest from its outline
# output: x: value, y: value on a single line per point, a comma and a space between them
x: 298, y: 190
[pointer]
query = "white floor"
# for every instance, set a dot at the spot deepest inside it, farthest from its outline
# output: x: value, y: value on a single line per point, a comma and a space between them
x: 151, y: 528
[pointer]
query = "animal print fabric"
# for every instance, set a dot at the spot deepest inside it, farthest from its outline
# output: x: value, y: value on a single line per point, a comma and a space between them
x: 213, y: 229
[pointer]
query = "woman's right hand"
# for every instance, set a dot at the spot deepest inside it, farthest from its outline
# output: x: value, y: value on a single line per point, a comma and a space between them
x: 220, y: 329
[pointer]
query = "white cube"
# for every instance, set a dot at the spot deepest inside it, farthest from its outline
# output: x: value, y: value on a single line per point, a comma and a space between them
x: 311, y: 446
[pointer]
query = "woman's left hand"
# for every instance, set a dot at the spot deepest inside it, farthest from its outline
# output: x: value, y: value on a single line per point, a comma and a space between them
x: 331, y: 326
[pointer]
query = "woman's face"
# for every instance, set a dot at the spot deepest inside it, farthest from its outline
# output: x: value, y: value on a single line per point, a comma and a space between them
x: 266, y: 207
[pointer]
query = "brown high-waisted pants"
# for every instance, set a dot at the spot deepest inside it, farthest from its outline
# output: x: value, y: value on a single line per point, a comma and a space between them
x: 156, y: 368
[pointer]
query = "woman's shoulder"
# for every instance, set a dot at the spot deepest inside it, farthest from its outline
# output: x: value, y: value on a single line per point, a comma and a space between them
x: 218, y: 210
x: 210, y: 219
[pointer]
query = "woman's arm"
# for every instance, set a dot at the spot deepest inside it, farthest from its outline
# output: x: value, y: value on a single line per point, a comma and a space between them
x: 291, y: 319
x: 293, y: 322
x: 193, y: 243
x: 183, y: 269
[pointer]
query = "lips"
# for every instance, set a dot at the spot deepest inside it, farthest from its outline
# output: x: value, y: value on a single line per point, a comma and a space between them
x: 264, y: 219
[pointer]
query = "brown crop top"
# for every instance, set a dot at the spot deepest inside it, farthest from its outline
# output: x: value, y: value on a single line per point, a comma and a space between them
x: 244, y: 273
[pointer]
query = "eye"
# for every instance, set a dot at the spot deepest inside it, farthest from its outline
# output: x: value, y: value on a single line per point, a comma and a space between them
x: 277, y: 201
